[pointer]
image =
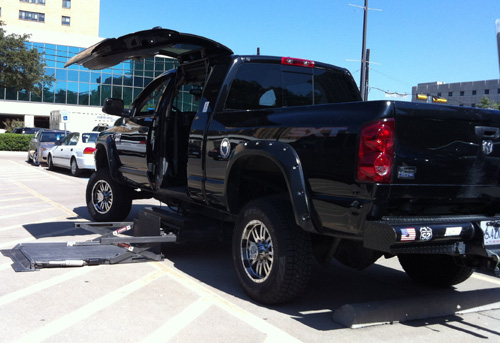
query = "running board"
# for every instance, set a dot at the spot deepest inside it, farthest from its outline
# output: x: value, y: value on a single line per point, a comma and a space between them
x: 110, y: 248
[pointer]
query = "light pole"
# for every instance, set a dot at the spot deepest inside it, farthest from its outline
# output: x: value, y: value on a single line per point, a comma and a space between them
x: 362, y: 83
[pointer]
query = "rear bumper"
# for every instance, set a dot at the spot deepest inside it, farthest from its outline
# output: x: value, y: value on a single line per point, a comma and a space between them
x: 474, y: 237
x: 86, y: 161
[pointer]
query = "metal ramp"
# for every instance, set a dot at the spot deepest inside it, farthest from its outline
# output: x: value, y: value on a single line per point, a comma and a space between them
x: 115, y: 245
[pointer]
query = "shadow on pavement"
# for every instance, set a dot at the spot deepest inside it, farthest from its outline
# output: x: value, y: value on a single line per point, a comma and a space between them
x: 376, y: 295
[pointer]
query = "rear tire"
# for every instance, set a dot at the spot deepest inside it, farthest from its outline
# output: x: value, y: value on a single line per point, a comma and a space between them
x: 271, y: 254
x: 434, y: 270
x: 36, y: 161
x: 75, y: 171
x: 107, y: 200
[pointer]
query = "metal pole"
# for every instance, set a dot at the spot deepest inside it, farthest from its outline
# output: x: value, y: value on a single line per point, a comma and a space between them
x: 367, y: 73
x: 363, y: 55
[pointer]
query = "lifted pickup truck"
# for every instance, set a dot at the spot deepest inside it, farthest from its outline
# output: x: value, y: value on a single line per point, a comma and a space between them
x: 284, y: 151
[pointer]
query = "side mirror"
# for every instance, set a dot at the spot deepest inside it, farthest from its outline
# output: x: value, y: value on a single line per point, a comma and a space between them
x: 115, y: 107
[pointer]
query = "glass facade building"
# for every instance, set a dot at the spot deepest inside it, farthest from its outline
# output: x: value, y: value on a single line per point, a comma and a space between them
x: 77, y: 85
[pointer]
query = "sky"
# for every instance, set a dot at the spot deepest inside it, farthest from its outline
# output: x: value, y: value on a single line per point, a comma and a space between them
x: 410, y: 41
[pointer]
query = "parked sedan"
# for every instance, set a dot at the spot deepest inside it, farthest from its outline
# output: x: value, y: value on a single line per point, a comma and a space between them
x: 41, y: 143
x: 75, y: 152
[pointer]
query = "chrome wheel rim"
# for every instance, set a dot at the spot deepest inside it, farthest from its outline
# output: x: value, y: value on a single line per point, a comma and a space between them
x: 257, y: 254
x: 73, y: 167
x: 102, y: 196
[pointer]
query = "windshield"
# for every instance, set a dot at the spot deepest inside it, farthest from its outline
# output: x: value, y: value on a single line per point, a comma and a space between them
x: 51, y: 136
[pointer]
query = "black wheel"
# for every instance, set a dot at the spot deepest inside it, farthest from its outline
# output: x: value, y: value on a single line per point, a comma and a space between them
x: 106, y: 200
x: 50, y: 163
x: 434, y: 270
x: 75, y: 171
x: 271, y: 254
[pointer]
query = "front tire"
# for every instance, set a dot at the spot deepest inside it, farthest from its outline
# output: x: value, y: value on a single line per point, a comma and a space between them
x: 271, y: 254
x: 434, y: 270
x: 50, y: 163
x: 107, y: 200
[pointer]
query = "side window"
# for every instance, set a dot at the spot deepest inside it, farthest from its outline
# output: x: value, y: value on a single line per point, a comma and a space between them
x: 255, y: 86
x: 74, y: 139
x: 66, y: 140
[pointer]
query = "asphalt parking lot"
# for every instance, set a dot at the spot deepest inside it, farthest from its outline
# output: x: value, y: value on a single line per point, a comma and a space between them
x: 193, y: 294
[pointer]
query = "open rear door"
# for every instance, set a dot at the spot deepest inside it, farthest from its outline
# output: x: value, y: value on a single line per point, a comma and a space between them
x: 143, y: 44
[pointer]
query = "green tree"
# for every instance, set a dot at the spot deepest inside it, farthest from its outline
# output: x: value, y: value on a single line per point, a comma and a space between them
x: 21, y: 68
x: 487, y: 103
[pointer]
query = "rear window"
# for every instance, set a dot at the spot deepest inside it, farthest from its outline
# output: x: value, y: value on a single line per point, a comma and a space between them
x: 260, y: 86
x: 89, y: 137
x: 51, y: 136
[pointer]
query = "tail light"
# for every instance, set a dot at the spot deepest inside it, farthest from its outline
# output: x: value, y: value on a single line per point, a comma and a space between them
x: 297, y: 62
x: 376, y: 151
x: 88, y: 151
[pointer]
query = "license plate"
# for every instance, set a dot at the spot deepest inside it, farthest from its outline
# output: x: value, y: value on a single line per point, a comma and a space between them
x: 491, y: 230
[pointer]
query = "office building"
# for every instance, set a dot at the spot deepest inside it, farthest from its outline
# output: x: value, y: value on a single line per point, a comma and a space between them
x: 60, y: 29
x: 460, y: 93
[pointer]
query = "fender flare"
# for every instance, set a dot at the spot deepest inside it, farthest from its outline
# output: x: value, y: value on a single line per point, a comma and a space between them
x: 287, y: 160
x: 106, y: 146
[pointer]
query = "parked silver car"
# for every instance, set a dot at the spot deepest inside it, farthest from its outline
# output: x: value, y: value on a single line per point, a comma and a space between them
x: 41, y: 143
x: 74, y: 152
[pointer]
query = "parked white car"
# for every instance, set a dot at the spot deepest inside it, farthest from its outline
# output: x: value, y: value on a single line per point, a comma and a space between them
x: 74, y: 152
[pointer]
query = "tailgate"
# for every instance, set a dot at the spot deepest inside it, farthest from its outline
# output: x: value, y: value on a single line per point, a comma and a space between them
x: 453, y: 147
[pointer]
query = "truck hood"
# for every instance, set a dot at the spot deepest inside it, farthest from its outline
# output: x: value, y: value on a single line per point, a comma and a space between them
x: 139, y: 45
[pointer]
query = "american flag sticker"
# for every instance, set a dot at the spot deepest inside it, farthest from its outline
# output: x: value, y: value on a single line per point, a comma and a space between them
x: 408, y: 234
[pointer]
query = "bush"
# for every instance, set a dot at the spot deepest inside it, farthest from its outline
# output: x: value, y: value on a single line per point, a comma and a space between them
x: 14, y: 142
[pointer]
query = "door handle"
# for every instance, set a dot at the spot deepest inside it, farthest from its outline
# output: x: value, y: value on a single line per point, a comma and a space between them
x: 487, y: 132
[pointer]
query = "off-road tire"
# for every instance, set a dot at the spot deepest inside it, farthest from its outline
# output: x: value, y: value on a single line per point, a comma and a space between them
x: 434, y: 270
x: 271, y: 254
x: 107, y: 200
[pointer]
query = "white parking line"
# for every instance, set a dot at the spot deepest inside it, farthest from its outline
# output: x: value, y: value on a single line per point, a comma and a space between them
x: 55, y: 327
x: 486, y: 278
x: 20, y: 214
x: 45, y: 199
x: 178, y: 322
x: 23, y: 204
x: 273, y: 333
x: 14, y: 199
x: 20, y: 226
x: 8, y: 298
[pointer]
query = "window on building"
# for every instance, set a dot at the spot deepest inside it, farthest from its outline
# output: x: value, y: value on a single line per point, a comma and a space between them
x: 42, y: 2
x: 474, y: 92
x: 498, y: 91
x: 66, y: 3
x: 33, y: 16
x: 66, y: 20
x: 462, y: 93
x: 450, y: 93
x: 439, y: 94
x: 486, y: 91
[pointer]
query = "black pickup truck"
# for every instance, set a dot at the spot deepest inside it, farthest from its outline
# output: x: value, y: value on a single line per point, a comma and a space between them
x: 283, y: 150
